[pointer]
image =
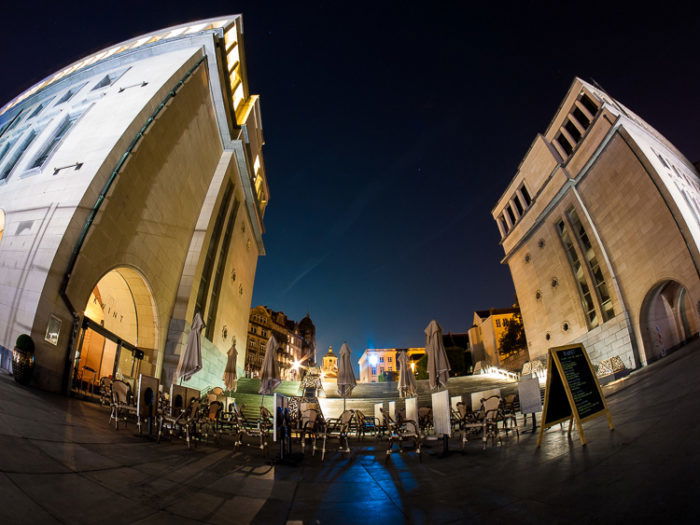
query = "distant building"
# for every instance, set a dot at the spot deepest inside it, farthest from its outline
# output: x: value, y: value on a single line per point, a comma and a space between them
x: 485, y: 334
x: 601, y: 231
x: 262, y: 324
x: 132, y: 195
x: 329, y: 367
x: 375, y: 361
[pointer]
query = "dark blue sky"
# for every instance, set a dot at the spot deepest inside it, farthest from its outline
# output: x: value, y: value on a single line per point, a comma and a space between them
x: 392, y: 131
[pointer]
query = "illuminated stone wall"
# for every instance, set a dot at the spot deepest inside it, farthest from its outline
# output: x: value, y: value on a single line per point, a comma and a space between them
x: 636, y: 198
x: 153, y: 120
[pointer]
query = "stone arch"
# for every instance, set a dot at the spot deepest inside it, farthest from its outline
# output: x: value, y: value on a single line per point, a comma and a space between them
x: 120, y: 330
x: 668, y: 319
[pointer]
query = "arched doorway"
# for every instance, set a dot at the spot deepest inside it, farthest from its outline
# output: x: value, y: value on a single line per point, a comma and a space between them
x: 668, y: 319
x: 119, y: 332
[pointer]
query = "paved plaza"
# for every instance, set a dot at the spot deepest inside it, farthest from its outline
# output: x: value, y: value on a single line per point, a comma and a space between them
x: 61, y: 462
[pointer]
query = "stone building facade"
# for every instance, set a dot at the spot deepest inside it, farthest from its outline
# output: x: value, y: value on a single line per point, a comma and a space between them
x: 374, y: 362
x: 601, y: 231
x: 262, y: 324
x: 132, y: 195
x: 487, y: 328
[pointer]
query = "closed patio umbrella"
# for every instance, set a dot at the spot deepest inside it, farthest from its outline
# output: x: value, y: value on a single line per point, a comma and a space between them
x: 270, y: 372
x: 438, y: 364
x: 230, y: 378
x: 346, y: 375
x: 407, y: 381
x: 191, y: 358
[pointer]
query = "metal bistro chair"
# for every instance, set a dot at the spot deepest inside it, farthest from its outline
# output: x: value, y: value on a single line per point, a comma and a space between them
x: 469, y: 422
x: 425, y: 419
x: 105, y: 390
x: 404, y: 429
x: 365, y: 424
x: 338, y: 428
x: 311, y: 425
x: 185, y: 422
x: 122, y: 403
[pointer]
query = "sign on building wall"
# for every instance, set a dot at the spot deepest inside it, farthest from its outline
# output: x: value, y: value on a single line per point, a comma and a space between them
x: 573, y: 393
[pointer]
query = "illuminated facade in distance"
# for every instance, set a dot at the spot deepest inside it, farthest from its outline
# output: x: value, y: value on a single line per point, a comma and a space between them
x: 375, y: 361
x: 132, y: 193
x: 601, y: 231
x: 262, y: 324
x: 484, y: 338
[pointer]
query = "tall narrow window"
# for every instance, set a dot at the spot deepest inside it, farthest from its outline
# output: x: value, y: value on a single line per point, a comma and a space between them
x: 202, y: 294
x: 579, y: 275
x: 12, y: 123
x: 55, y: 140
x: 220, y: 268
x: 591, y: 106
x: 510, y: 214
x: 573, y: 130
x: 4, y: 148
x: 581, y: 118
x: 526, y: 195
x: 14, y: 159
x: 516, y: 200
x: 565, y: 144
x: 601, y: 287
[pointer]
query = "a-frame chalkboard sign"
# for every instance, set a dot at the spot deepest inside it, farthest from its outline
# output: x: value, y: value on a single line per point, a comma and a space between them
x: 573, y: 392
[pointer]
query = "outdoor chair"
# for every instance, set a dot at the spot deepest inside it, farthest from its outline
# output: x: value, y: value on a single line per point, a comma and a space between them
x: 425, y: 418
x: 122, y: 404
x: 311, y: 424
x: 508, y: 414
x: 105, y: 391
x: 184, y: 423
x: 260, y: 430
x: 469, y: 422
x: 210, y: 423
x: 365, y: 424
x: 338, y: 428
x: 404, y: 429
x: 491, y: 408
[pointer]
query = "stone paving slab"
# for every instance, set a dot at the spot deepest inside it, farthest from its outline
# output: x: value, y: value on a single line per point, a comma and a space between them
x: 61, y: 462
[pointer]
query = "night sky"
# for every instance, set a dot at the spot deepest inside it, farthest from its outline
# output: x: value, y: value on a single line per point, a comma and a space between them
x: 391, y: 132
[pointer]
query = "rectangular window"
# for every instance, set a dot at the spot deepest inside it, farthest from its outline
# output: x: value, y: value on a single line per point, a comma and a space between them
x: 10, y: 125
x: 573, y: 130
x: 388, y: 359
x: 374, y: 371
x: 498, y: 323
x: 17, y: 155
x: 5, y: 147
x: 381, y: 359
x: 509, y: 210
x: 52, y: 144
x: 581, y: 118
x: 219, y: 276
x: 526, y: 195
x: 516, y: 200
x: 591, y: 106
x: 586, y: 246
x: 564, y: 143
x: 207, y: 270
x: 579, y: 276
x: 70, y: 94
x: 36, y: 111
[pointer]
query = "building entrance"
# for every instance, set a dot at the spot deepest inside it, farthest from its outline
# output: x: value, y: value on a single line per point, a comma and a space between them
x: 119, y: 330
x: 668, y: 319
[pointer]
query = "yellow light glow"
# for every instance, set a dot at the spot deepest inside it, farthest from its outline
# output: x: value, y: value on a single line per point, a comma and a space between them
x: 238, y: 96
x: 233, y: 58
x: 231, y: 37
x: 256, y: 164
x: 235, y: 77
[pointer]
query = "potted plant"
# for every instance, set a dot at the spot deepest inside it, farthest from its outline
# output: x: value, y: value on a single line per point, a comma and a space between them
x: 23, y: 359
